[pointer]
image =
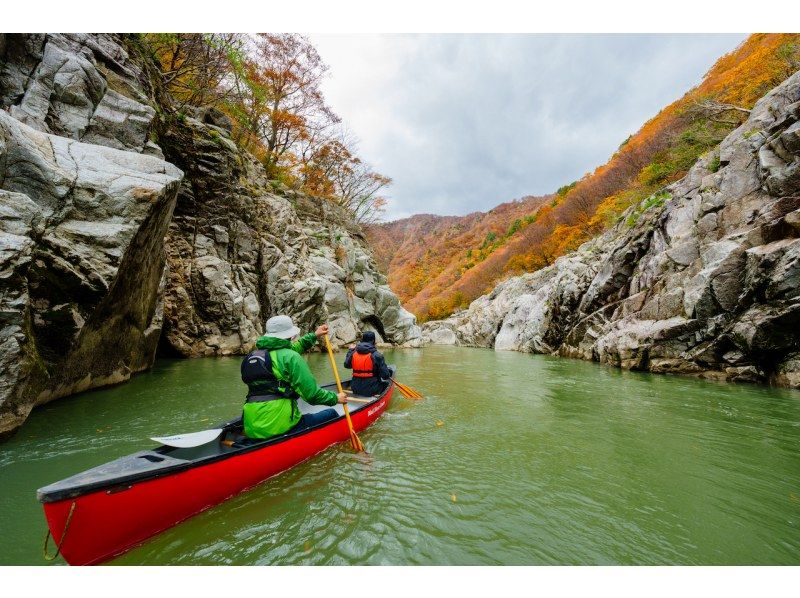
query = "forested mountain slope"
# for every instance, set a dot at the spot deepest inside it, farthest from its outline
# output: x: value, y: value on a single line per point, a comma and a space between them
x: 425, y: 254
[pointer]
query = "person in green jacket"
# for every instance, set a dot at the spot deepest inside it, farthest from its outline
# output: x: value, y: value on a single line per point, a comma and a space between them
x: 276, y: 376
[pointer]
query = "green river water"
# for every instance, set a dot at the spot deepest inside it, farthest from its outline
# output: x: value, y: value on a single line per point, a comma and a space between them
x: 510, y: 459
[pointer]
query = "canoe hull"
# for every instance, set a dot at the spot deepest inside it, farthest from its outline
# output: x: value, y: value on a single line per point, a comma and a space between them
x: 106, y: 523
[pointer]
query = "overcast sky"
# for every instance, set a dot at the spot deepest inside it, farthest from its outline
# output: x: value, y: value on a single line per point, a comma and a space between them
x: 465, y: 122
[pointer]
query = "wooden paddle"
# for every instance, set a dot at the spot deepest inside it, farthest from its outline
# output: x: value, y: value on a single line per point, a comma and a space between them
x: 354, y: 439
x: 407, y: 391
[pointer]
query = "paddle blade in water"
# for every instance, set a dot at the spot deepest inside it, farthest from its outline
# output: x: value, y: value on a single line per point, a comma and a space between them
x: 407, y: 391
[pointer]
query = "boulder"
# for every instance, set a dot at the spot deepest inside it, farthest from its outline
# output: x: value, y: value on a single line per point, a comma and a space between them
x: 788, y: 372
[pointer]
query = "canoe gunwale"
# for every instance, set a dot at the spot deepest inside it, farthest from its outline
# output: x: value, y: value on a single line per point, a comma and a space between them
x: 125, y: 481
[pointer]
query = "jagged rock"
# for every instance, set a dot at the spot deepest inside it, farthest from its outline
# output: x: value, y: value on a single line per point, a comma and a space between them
x: 788, y: 372
x: 81, y: 232
x: 65, y: 84
x: 325, y: 267
x: 442, y: 336
x: 239, y: 253
x: 19, y: 223
x: 214, y: 117
x: 120, y: 122
x: 708, y: 284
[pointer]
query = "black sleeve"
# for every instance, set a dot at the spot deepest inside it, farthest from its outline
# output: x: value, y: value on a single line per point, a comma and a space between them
x: 348, y: 359
x: 379, y: 366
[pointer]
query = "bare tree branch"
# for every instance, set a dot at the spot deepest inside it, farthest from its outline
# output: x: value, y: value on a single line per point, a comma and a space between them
x: 716, y: 107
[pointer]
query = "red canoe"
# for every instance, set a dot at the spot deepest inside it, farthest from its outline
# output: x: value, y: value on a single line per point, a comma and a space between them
x: 100, y: 513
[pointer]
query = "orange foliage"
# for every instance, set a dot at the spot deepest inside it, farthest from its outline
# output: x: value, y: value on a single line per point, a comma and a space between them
x: 425, y: 254
x: 270, y: 87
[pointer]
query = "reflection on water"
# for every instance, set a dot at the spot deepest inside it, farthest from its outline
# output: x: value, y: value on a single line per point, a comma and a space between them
x: 510, y: 459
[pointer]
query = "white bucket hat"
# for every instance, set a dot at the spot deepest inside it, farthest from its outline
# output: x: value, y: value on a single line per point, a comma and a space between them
x: 281, y: 327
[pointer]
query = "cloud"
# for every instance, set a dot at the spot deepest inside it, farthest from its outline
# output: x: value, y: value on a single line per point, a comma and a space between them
x: 465, y: 122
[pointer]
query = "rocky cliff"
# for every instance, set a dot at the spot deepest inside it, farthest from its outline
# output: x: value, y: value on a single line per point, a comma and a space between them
x: 701, y: 278
x: 83, y: 213
x: 239, y: 252
x: 124, y: 228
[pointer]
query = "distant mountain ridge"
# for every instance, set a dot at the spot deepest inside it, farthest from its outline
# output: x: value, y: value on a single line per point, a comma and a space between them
x: 427, y: 254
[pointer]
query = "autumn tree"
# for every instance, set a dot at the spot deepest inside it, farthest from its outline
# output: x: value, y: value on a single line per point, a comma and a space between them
x: 195, y: 67
x: 332, y: 169
x: 358, y: 190
x: 285, y: 105
x: 270, y: 86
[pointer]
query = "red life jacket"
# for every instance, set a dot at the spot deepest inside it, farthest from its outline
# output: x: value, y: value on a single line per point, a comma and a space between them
x: 362, y: 365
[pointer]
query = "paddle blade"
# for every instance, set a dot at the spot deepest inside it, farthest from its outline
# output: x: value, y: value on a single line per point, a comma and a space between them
x: 358, y: 446
x: 355, y: 442
x: 407, y: 391
x: 189, y: 440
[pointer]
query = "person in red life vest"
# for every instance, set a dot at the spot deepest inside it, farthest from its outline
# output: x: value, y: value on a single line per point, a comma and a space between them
x: 370, y: 372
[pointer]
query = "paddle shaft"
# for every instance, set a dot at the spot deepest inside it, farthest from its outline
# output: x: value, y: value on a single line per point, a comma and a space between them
x: 356, y: 441
x: 333, y: 364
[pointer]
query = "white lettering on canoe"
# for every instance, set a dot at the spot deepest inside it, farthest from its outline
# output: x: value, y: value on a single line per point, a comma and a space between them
x: 376, y: 408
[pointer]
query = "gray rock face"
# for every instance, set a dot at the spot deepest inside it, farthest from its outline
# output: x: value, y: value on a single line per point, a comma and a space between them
x: 81, y: 262
x: 708, y: 284
x: 240, y: 253
x: 83, y: 216
x: 79, y: 86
